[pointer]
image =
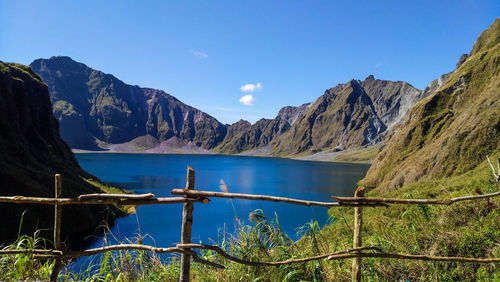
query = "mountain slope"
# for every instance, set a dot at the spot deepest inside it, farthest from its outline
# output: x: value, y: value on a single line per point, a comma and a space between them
x: 93, y: 107
x: 242, y: 136
x: 348, y: 116
x: 451, y: 131
x: 32, y: 152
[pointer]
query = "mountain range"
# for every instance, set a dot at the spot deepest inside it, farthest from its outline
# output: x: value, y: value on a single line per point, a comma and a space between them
x: 97, y: 111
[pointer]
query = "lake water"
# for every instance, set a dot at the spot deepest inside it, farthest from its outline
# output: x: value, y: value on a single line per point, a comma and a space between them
x: 158, y: 174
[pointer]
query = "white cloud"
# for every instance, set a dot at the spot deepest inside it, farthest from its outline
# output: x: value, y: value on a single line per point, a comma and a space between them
x: 200, y: 55
x: 247, y: 100
x: 251, y: 87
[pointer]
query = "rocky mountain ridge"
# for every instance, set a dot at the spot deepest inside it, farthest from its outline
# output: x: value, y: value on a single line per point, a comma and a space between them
x: 94, y: 108
x: 348, y: 116
x: 97, y: 111
x: 243, y: 136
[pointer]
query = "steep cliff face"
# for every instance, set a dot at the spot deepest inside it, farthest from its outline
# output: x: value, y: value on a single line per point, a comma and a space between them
x: 451, y: 131
x: 242, y: 136
x: 168, y: 117
x: 32, y: 152
x: 347, y: 116
x: 391, y: 99
x: 94, y: 107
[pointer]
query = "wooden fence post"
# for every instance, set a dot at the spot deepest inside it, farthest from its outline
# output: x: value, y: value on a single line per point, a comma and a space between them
x: 187, y: 222
x: 57, y: 227
x: 357, y: 241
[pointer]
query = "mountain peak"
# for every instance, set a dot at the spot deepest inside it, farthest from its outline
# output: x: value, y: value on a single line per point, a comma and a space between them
x: 57, y: 59
x: 354, y: 83
x: 61, y: 58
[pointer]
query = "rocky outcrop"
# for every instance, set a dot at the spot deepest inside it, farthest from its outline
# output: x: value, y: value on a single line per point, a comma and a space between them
x: 94, y: 108
x: 452, y: 130
x: 436, y: 84
x: 391, y: 99
x: 32, y: 152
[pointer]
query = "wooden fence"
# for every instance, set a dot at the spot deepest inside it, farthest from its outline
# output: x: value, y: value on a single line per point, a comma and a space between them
x: 191, y: 196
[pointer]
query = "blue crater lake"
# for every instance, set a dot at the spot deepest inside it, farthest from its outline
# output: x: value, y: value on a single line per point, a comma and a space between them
x: 158, y: 174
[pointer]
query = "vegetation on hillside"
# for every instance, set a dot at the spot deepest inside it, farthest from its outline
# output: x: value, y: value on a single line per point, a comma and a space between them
x: 32, y: 152
x: 451, y: 131
x: 364, y: 155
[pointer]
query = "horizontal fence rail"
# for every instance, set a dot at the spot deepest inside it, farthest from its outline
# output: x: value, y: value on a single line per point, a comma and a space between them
x: 413, y: 257
x: 371, y: 200
x: 190, y: 196
x: 99, y: 199
x: 211, y: 194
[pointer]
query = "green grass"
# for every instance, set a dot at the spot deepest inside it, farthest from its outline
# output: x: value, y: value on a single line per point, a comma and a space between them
x: 4, y: 67
x: 22, y: 266
x: 263, y: 240
x: 26, y: 70
x: 365, y: 156
x: 468, y: 229
x: 105, y: 188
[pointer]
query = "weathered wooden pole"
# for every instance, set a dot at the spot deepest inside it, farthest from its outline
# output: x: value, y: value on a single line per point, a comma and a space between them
x: 187, y: 222
x: 57, y: 227
x: 357, y: 242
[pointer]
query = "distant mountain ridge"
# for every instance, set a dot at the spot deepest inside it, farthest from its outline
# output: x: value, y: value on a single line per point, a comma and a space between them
x: 243, y: 136
x: 93, y: 107
x: 97, y: 110
x: 347, y: 116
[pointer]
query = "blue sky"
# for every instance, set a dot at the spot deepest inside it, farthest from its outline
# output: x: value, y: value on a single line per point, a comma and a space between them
x: 247, y: 59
